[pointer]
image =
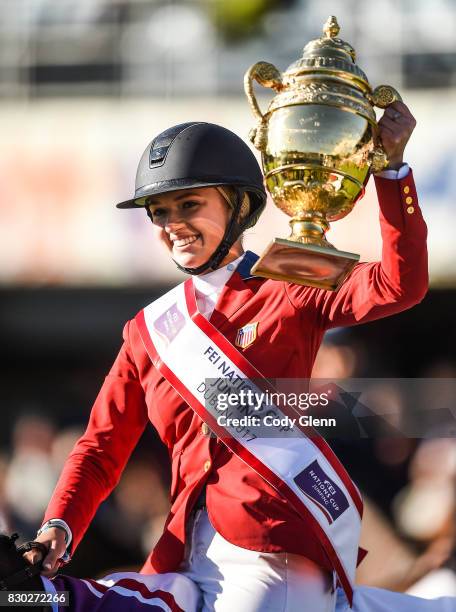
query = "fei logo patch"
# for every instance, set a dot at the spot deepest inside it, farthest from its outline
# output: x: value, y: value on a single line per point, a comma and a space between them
x: 169, y: 324
x: 317, y: 486
x: 246, y: 335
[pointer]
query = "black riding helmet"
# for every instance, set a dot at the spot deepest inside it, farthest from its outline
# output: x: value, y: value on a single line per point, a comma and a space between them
x: 201, y: 154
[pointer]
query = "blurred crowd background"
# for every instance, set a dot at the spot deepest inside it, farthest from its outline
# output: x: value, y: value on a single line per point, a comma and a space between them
x: 84, y: 86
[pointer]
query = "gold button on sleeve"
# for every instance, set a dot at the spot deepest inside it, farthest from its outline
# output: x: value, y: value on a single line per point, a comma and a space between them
x: 408, y: 200
x: 406, y: 189
x: 410, y: 210
x: 205, y: 429
x: 207, y: 465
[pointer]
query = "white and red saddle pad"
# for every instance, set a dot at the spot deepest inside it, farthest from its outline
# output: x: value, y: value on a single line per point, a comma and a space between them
x: 173, y: 592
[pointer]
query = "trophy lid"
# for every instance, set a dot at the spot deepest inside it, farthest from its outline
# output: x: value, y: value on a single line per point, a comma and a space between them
x: 331, y: 55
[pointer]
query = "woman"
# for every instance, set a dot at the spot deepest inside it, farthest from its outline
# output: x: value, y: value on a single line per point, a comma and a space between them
x: 229, y: 531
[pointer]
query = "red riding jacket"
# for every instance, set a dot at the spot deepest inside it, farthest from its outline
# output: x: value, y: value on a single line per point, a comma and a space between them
x: 291, y: 322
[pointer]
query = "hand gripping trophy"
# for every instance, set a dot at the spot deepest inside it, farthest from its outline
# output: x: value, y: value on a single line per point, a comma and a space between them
x: 318, y: 144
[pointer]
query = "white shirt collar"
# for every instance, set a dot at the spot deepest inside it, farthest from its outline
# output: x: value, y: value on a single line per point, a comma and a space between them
x: 207, y: 284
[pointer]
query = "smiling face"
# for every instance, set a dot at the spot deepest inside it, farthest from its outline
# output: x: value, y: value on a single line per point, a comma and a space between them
x: 191, y: 223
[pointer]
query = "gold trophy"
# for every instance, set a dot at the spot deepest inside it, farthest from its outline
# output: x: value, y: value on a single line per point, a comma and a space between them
x: 317, y: 141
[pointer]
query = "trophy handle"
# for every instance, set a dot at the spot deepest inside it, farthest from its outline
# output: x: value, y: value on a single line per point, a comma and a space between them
x: 266, y: 75
x: 382, y: 96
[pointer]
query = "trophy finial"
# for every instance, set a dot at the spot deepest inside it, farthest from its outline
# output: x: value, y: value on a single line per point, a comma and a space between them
x: 331, y: 27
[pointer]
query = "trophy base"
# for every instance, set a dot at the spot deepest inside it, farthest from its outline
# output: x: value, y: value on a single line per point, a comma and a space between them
x: 305, y: 264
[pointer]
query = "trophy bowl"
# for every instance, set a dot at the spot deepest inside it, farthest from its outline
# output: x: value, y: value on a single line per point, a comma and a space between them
x: 318, y: 146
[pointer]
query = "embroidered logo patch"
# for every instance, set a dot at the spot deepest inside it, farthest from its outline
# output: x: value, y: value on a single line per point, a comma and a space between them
x: 328, y: 496
x: 169, y: 324
x: 246, y: 335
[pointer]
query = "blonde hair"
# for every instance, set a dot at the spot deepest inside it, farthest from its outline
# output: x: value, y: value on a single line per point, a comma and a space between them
x: 229, y: 195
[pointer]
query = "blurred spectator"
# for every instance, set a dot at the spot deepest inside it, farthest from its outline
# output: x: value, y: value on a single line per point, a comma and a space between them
x: 337, y: 358
x: 5, y: 522
x: 63, y: 444
x: 30, y: 476
x: 425, y: 511
x: 141, y: 506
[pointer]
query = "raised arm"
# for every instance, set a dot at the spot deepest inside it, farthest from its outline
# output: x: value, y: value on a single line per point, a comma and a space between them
x: 400, y: 279
x: 93, y: 468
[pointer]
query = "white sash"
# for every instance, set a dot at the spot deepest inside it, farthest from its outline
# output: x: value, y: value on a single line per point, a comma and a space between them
x: 187, y: 350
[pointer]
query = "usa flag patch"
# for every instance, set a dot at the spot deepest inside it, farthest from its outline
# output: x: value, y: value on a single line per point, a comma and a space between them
x: 246, y: 335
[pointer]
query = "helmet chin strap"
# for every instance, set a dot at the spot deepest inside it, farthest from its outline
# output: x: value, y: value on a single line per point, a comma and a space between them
x: 232, y: 233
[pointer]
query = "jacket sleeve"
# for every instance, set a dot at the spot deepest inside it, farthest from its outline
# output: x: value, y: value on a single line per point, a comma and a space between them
x: 380, y: 289
x: 93, y: 468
